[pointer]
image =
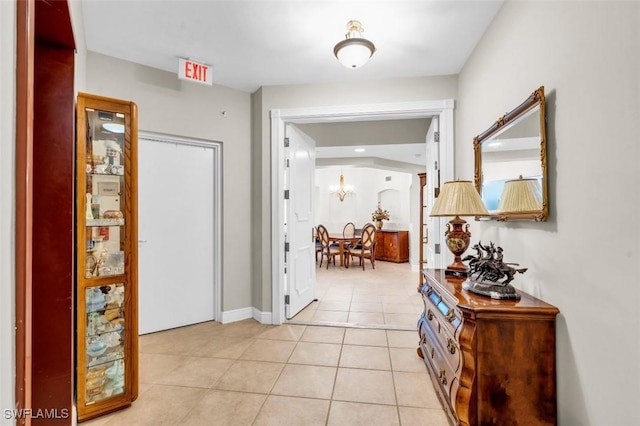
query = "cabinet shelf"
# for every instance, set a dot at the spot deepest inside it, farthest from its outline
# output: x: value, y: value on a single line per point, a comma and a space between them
x: 106, y: 359
x: 103, y: 309
x: 104, y: 222
x: 98, y: 174
x: 100, y: 334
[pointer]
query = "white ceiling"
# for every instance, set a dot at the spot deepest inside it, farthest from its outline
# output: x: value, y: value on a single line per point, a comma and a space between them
x: 254, y: 43
x: 404, y: 153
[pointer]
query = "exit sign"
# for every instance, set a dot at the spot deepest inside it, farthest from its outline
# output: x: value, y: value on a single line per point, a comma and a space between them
x: 194, y: 71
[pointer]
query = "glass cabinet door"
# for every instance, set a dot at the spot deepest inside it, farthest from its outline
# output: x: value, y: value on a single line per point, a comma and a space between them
x: 105, y: 201
x: 105, y: 342
x: 106, y: 296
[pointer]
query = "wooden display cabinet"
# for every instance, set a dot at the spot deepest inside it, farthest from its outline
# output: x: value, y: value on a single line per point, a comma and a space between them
x: 107, y: 258
x: 392, y: 246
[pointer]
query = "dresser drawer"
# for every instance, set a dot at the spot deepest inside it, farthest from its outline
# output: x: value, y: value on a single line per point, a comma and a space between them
x: 444, y: 310
x: 438, y: 360
x: 443, y: 342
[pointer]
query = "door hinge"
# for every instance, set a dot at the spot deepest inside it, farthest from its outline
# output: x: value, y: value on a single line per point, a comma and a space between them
x: 436, y: 192
x: 286, y: 299
x: 436, y: 136
x: 286, y: 142
x: 286, y: 247
x: 286, y: 194
x: 286, y: 164
x: 437, y: 248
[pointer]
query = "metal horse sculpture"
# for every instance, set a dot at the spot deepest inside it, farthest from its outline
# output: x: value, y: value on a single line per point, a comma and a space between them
x: 487, y: 265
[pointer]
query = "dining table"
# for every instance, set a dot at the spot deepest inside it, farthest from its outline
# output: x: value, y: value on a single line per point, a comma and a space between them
x: 342, y: 240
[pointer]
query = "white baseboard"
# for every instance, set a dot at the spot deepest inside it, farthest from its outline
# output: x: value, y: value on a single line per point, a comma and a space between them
x: 236, y: 315
x: 262, y: 317
x: 246, y: 313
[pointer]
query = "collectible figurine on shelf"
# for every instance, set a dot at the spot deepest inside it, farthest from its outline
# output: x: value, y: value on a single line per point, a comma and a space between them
x: 489, y: 275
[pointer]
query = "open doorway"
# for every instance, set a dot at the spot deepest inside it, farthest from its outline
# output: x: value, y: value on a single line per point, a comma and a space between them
x: 442, y: 109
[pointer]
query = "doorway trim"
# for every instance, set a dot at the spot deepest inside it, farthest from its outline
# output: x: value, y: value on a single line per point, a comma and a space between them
x: 216, y: 146
x: 340, y: 113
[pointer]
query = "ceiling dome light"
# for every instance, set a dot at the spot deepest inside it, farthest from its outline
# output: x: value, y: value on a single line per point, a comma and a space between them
x: 355, y: 51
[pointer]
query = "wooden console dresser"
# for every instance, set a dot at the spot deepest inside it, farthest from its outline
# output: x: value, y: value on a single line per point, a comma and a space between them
x: 392, y: 246
x: 493, y: 362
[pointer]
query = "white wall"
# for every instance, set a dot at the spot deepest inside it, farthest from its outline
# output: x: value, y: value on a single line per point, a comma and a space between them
x: 7, y: 193
x: 584, y: 259
x: 80, y: 65
x: 368, y: 183
x: 171, y: 106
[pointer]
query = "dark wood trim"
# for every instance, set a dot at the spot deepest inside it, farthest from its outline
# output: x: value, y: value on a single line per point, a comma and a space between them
x: 44, y: 96
x: 25, y: 42
x: 53, y: 233
x: 53, y: 23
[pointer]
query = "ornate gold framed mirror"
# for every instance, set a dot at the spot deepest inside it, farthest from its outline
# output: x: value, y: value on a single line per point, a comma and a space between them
x: 511, y: 163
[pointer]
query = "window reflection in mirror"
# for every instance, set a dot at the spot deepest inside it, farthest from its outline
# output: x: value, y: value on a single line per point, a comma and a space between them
x: 510, y: 157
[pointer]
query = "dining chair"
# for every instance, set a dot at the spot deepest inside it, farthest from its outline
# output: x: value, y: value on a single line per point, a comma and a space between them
x: 326, y: 248
x: 316, y: 240
x: 365, y: 248
x: 358, y: 233
x: 349, y: 230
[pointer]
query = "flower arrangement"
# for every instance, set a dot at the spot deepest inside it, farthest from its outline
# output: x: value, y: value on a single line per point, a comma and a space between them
x: 379, y: 214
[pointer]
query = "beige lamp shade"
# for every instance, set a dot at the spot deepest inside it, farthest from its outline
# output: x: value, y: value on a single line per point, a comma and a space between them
x: 459, y: 198
x: 521, y: 195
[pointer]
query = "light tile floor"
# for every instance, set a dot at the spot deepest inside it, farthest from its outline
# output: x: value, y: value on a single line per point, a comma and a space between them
x: 246, y: 373
x: 347, y: 359
x: 384, y: 297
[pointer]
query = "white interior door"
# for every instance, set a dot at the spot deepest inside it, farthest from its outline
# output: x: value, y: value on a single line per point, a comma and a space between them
x: 300, y: 260
x: 176, y: 231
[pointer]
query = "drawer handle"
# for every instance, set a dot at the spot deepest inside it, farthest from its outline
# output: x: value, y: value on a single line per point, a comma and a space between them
x: 429, y: 314
x: 443, y: 377
x: 451, y: 346
x: 451, y: 315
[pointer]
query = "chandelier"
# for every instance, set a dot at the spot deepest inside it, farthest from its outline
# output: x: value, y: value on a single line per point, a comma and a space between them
x: 354, y: 51
x: 341, y: 190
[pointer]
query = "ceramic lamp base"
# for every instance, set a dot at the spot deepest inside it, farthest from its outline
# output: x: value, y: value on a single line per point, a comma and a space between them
x: 457, y: 240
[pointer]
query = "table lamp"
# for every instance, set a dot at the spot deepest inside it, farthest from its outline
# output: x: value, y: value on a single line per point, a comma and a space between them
x: 458, y: 198
x: 521, y: 195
